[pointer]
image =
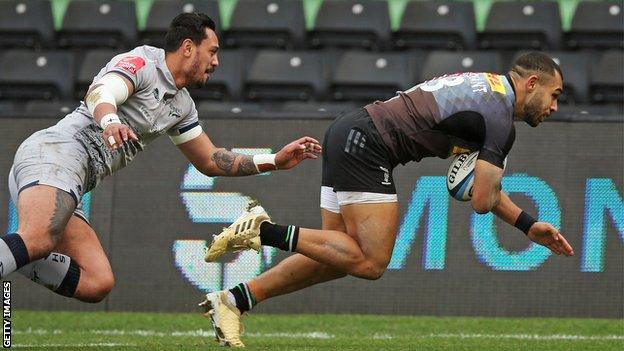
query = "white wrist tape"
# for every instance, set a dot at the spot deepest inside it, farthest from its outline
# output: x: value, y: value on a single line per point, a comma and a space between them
x: 109, y: 119
x: 264, y: 162
x: 111, y: 89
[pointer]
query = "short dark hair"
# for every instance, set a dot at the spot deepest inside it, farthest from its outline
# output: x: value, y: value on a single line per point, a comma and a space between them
x: 187, y: 26
x: 535, y: 62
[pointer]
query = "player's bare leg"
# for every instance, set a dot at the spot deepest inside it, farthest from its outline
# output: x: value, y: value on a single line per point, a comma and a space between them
x: 297, y: 271
x: 43, y: 212
x: 80, y: 242
x: 64, y: 252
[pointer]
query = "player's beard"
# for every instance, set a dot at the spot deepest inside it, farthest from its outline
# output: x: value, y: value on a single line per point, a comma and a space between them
x: 196, y: 72
x: 533, y: 111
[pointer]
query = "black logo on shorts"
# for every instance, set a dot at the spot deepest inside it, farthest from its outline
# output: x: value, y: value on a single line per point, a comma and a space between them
x: 156, y: 94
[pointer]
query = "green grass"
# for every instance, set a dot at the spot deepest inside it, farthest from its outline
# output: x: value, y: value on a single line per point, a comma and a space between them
x: 155, y: 331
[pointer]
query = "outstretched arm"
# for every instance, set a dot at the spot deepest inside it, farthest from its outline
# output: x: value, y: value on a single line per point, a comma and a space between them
x: 214, y: 161
x: 540, y: 232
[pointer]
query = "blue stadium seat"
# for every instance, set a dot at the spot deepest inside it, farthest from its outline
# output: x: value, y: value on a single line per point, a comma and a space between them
x: 522, y: 25
x: 267, y: 24
x: 367, y: 76
x: 97, y: 24
x: 437, y: 25
x: 163, y: 11
x: 26, y: 23
x: 351, y: 24
x: 27, y: 75
x: 607, y: 78
x: 597, y: 24
x: 439, y: 63
x: 286, y: 75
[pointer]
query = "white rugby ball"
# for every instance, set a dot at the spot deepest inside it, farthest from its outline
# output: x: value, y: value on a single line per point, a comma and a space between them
x: 460, y: 176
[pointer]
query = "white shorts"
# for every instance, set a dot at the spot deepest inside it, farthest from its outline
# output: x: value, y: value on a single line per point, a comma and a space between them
x: 58, y: 163
x: 331, y: 200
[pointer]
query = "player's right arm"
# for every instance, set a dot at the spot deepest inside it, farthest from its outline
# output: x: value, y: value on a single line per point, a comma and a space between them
x: 102, y: 99
x: 487, y: 185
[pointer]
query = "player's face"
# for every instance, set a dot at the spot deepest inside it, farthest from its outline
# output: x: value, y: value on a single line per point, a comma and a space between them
x: 205, y: 60
x: 541, y: 101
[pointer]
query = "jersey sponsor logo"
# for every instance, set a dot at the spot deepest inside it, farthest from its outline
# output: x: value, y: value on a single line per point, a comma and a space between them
x: 131, y: 64
x: 495, y: 82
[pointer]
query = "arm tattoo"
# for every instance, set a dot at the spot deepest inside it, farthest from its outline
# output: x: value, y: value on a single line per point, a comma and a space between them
x: 226, y: 161
x: 246, y: 166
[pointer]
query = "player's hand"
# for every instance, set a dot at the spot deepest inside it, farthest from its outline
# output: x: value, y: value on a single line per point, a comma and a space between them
x: 116, y: 134
x: 545, y: 234
x: 290, y: 155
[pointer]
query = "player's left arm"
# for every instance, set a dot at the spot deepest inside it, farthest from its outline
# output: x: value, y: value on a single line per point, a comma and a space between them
x: 542, y: 233
x: 215, y: 161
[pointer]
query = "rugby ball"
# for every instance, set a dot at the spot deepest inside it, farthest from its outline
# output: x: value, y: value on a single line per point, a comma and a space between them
x: 460, y: 176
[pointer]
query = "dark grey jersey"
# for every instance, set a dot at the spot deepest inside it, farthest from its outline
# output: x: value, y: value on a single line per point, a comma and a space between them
x: 450, y: 114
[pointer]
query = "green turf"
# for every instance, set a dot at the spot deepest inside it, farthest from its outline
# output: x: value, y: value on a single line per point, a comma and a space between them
x: 152, y: 331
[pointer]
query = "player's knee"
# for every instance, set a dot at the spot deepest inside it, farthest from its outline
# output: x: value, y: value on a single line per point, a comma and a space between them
x: 371, y: 270
x: 98, y: 289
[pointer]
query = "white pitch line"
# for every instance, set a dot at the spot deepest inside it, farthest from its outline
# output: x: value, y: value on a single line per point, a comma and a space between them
x: 99, y: 344
x: 527, y: 336
x: 323, y: 335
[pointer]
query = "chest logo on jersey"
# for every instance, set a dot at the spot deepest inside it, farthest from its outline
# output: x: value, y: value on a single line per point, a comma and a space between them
x: 495, y: 82
x: 174, y: 112
x: 156, y: 94
x: 131, y: 64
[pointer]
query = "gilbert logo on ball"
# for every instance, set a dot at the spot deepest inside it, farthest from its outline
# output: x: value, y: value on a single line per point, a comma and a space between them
x: 460, y: 176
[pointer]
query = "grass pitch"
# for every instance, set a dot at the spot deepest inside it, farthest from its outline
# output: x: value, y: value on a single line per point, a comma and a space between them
x: 153, y: 331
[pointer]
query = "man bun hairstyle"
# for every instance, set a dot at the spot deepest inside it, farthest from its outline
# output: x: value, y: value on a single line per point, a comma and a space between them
x: 187, y: 26
x: 535, y: 62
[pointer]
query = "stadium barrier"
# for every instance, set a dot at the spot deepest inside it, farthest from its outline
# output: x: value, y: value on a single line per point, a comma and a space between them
x: 154, y: 216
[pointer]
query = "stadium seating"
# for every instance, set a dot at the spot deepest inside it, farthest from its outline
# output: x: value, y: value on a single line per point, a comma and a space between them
x: 226, y: 82
x: 607, y: 78
x: 370, y: 76
x: 88, y: 67
x: 575, y: 68
x: 522, y: 24
x: 26, y: 23
x: 437, y: 25
x: 266, y: 23
x: 95, y: 24
x: 348, y: 51
x: 28, y: 75
x: 351, y: 24
x: 292, y: 75
x: 163, y: 11
x: 597, y: 25
x: 439, y: 63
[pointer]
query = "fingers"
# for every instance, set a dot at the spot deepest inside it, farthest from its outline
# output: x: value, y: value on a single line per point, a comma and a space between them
x: 124, y: 134
x: 115, y: 136
x: 565, y: 247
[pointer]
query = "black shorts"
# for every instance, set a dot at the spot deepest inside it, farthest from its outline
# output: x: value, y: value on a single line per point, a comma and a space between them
x: 355, y: 157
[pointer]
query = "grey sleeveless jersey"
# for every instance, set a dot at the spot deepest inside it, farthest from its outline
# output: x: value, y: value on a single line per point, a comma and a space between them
x: 156, y: 107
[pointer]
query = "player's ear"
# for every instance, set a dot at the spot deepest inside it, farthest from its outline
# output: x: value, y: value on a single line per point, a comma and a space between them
x: 187, y: 47
x: 531, y: 82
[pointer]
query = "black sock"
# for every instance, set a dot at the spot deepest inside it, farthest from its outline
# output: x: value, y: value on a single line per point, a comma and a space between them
x: 244, y: 298
x: 279, y: 236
